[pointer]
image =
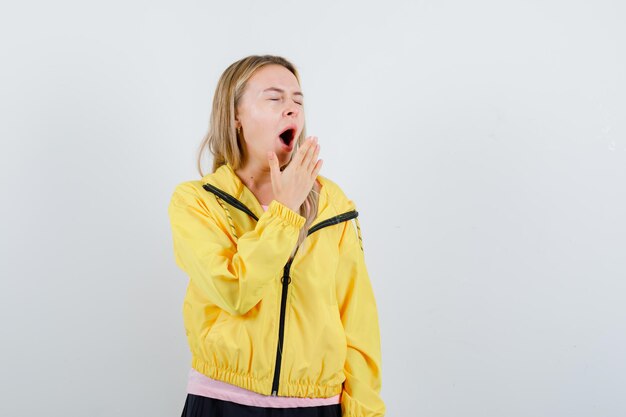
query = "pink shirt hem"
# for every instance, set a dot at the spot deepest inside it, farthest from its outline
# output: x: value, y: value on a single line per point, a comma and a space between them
x: 202, y: 385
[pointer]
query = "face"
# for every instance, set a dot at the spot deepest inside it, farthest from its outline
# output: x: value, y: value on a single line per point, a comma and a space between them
x: 271, y: 102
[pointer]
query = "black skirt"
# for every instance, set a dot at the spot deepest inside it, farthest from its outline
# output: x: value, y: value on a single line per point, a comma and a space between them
x: 199, y: 406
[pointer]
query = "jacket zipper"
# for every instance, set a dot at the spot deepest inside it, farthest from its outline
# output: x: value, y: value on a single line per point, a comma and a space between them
x: 286, y: 278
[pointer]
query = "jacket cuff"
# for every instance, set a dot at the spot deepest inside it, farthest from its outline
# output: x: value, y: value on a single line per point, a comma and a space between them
x: 286, y: 214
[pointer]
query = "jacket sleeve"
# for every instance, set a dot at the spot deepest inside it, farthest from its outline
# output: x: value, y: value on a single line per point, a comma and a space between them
x: 357, y: 307
x: 231, y: 274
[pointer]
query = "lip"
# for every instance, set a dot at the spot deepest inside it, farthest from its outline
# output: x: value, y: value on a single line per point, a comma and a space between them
x: 285, y: 147
x: 289, y: 126
x: 294, y: 127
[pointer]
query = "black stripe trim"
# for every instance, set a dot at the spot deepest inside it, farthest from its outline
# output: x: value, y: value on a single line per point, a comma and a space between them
x: 349, y: 215
x: 230, y: 200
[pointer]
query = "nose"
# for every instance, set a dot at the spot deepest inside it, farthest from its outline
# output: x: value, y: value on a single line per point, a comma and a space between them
x: 291, y: 110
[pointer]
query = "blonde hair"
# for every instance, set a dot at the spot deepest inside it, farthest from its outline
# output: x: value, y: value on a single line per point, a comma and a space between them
x: 222, y: 139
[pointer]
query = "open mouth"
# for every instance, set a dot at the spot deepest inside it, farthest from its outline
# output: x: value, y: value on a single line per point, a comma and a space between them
x: 287, y: 136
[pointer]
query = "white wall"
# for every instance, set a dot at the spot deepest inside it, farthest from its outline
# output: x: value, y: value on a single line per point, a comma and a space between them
x: 483, y: 142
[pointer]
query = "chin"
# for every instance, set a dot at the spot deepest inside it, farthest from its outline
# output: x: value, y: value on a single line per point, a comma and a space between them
x: 285, y: 164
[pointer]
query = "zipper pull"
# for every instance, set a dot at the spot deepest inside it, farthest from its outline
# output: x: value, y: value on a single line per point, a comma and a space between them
x: 274, y: 394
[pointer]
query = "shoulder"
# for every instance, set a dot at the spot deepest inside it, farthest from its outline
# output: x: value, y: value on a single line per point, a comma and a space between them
x: 187, y: 189
x: 336, y: 195
x: 190, y: 195
x: 331, y: 187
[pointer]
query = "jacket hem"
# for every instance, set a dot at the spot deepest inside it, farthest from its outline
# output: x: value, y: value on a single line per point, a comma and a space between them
x: 263, y: 385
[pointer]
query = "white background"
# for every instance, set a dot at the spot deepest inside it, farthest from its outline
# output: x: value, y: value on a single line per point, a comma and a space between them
x: 484, y: 144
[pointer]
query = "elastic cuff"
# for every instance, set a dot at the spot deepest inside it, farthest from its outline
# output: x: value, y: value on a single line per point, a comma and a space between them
x: 286, y: 213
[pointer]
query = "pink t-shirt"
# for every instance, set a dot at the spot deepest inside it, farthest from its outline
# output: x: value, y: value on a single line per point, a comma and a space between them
x: 200, y: 384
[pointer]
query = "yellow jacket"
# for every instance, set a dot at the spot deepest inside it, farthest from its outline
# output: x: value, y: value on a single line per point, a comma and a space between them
x: 301, y: 327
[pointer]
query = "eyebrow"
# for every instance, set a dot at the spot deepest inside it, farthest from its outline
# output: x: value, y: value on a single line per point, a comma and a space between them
x: 297, y: 93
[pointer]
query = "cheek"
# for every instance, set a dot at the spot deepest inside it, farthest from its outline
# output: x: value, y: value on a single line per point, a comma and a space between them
x: 260, y: 122
x: 262, y: 112
x: 263, y: 123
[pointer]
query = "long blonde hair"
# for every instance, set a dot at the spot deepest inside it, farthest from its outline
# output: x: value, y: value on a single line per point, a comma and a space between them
x: 222, y: 139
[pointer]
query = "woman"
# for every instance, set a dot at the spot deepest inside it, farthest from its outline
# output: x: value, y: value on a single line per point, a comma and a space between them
x: 279, y: 312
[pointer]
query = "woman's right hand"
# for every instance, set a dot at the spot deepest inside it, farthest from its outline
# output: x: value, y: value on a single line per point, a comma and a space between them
x: 292, y: 185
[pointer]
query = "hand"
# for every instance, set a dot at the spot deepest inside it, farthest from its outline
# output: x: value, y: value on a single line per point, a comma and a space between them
x: 293, y: 184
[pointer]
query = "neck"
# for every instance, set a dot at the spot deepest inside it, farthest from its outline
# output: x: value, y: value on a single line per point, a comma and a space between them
x: 255, y: 176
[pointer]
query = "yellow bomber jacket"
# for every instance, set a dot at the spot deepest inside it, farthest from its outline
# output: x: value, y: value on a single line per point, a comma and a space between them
x: 254, y: 317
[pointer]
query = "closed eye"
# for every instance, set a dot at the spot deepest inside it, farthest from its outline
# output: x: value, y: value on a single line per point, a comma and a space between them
x: 277, y: 99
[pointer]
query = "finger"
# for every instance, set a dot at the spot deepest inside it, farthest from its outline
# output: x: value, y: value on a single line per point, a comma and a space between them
x: 313, y: 159
x: 299, y: 157
x: 317, y: 168
x: 309, y: 153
